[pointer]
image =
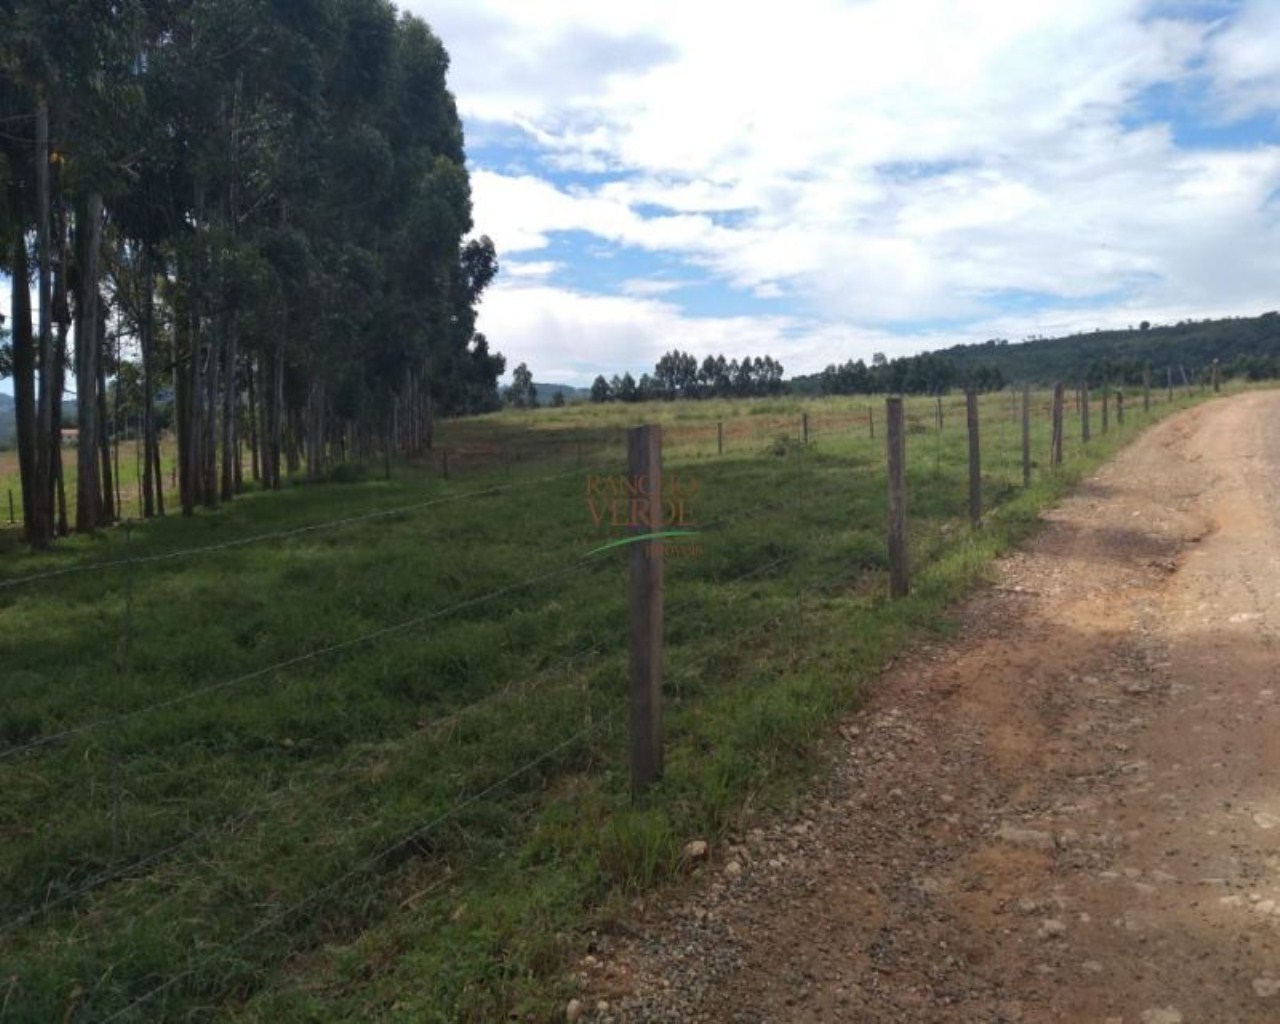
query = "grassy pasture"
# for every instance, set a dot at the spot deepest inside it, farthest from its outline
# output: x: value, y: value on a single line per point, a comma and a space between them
x: 376, y: 770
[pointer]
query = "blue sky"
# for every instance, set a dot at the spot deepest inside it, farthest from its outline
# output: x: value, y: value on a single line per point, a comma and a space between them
x: 826, y: 179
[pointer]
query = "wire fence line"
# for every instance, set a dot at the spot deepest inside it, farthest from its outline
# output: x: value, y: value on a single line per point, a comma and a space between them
x: 291, y: 532
x: 301, y: 659
x: 515, y: 691
x: 809, y: 476
x: 418, y: 833
x: 509, y: 692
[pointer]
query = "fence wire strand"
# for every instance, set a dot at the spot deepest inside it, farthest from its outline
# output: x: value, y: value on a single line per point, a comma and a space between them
x: 371, y: 861
x: 282, y: 534
x: 301, y: 659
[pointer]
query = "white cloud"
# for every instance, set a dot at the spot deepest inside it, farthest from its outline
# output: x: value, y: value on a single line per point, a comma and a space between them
x: 1244, y: 60
x: 531, y: 268
x: 877, y: 164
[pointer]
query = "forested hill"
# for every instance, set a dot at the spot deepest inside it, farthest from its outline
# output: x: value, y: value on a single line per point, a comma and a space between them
x: 1248, y: 346
x: 1245, y: 346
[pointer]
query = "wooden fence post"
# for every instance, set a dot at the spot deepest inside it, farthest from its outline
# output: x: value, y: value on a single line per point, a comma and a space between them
x: 1026, y: 435
x: 1055, y: 445
x: 720, y: 437
x: 899, y: 582
x: 1119, y: 407
x: 11, y: 519
x: 1106, y: 407
x: 804, y: 426
x: 871, y: 421
x: 644, y: 464
x: 975, y: 458
x: 1217, y: 377
x: 1084, y: 413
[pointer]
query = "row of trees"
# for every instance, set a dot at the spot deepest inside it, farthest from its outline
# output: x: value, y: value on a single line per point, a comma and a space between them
x: 679, y: 375
x: 925, y: 374
x: 262, y: 205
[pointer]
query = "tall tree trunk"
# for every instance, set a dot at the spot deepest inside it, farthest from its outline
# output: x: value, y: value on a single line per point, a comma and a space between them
x: 256, y: 464
x: 186, y: 397
x: 60, y: 493
x: 313, y: 440
x: 159, y: 479
x: 229, y: 417
x: 57, y: 485
x: 89, y: 485
x: 146, y: 340
x: 108, y: 508
x: 209, y: 423
x: 429, y: 414
x: 181, y: 425
x: 40, y: 531
x: 24, y: 379
x: 293, y: 432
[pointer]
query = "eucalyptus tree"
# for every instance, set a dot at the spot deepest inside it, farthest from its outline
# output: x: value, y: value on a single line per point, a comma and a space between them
x: 272, y: 195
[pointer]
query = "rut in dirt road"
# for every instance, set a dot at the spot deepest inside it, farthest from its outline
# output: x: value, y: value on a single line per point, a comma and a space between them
x: 1070, y: 813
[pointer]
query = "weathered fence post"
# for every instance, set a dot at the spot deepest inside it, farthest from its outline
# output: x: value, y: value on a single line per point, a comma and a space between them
x: 1106, y: 407
x: 11, y: 519
x: 644, y: 464
x: 1055, y: 444
x: 1084, y: 413
x: 720, y: 438
x: 804, y: 426
x: 899, y: 582
x: 1217, y: 377
x: 871, y: 421
x: 1026, y: 435
x: 1119, y: 407
x: 975, y: 458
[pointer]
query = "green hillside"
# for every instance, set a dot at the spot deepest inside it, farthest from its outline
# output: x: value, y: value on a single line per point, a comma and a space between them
x: 1247, y: 347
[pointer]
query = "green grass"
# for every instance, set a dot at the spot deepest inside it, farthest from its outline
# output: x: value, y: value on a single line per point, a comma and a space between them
x: 419, y: 826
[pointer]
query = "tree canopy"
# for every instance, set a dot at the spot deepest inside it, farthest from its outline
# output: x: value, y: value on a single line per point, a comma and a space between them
x: 268, y: 202
x: 680, y: 375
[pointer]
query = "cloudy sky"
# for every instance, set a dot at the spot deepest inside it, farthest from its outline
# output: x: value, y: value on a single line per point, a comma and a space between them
x: 824, y: 179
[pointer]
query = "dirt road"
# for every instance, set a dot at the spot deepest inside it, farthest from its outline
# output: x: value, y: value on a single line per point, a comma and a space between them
x: 1070, y: 813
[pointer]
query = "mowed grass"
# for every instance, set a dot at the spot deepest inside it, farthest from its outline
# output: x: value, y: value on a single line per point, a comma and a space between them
x: 377, y: 769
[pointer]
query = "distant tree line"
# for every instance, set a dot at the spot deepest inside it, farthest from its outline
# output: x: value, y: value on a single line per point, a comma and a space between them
x: 680, y: 375
x: 265, y: 207
x: 925, y: 374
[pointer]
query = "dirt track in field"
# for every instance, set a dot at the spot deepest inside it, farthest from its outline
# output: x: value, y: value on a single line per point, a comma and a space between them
x: 1069, y: 813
